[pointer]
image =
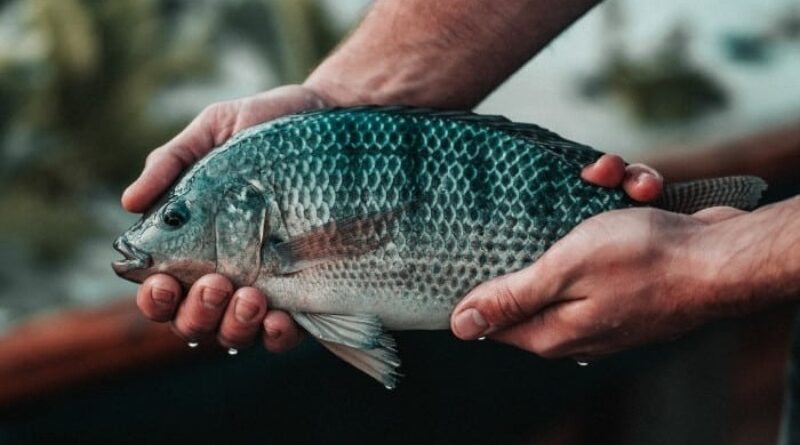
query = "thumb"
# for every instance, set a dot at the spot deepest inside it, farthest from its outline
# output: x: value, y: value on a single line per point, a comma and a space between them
x: 500, y: 302
x: 714, y: 215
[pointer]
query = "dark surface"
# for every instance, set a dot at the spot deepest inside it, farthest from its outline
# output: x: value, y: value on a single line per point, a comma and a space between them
x: 453, y: 392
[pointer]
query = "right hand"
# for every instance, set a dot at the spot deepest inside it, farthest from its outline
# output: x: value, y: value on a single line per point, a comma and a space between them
x: 212, y: 305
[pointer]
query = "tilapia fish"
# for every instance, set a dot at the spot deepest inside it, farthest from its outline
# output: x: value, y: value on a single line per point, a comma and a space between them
x: 361, y: 220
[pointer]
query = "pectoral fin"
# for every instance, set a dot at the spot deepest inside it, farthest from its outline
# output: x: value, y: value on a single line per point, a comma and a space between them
x: 335, y: 240
x: 357, y: 339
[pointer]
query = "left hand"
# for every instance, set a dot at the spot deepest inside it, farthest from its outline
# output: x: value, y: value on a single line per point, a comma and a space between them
x: 211, y: 306
x: 618, y: 280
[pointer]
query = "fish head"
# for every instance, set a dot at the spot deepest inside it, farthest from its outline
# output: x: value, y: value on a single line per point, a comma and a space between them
x: 175, y: 237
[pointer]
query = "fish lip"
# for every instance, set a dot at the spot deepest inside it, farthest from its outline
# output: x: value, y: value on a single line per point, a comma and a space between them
x: 135, y: 258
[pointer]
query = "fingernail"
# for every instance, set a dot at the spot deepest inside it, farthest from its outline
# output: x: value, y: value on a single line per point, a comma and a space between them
x: 245, y: 311
x: 213, y: 298
x: 162, y: 296
x: 470, y: 324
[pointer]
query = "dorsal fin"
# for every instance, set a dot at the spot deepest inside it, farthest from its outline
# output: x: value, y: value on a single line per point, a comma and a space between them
x: 574, y: 153
x: 461, y: 115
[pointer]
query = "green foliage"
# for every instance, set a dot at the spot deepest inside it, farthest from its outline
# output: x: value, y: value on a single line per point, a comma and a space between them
x: 297, y: 37
x: 78, y: 79
x: 49, y: 227
x: 75, y: 92
x: 664, y: 88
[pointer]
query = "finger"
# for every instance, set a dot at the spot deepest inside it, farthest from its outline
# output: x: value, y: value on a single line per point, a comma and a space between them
x: 502, y: 301
x: 153, y: 181
x: 287, y: 99
x: 201, y: 312
x: 534, y: 336
x: 281, y: 333
x: 713, y: 215
x: 608, y: 171
x: 642, y: 183
x: 242, y: 319
x: 546, y: 333
x: 158, y: 297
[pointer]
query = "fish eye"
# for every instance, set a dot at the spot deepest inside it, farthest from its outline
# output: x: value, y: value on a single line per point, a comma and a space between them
x: 175, y: 215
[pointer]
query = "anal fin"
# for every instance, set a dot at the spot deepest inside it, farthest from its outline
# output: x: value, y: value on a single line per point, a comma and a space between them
x: 381, y: 364
x: 357, y: 339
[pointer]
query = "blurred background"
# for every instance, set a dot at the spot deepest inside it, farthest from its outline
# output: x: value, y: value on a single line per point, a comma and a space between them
x: 89, y: 87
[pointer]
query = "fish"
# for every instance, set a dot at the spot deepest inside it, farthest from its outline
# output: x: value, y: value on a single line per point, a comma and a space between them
x: 364, y: 220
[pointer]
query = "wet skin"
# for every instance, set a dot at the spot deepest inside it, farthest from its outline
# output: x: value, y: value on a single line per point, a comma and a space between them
x: 236, y: 317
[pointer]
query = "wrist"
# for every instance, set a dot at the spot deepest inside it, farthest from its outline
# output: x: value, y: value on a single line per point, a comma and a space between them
x: 738, y: 267
x: 447, y: 54
x: 336, y: 92
x: 417, y: 77
x: 708, y: 289
x: 689, y: 278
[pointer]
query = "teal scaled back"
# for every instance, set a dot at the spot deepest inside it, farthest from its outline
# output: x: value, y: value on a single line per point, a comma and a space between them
x: 474, y: 197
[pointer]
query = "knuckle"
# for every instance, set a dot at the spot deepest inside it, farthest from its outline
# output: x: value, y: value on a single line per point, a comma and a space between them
x: 505, y: 303
x: 550, y: 350
x: 282, y: 343
x: 220, y: 119
x: 211, y: 111
x: 180, y: 155
x: 553, y: 341
x: 153, y: 156
x: 191, y: 327
x: 235, y: 339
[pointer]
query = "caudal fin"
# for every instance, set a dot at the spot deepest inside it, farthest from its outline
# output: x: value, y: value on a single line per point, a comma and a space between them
x: 741, y: 192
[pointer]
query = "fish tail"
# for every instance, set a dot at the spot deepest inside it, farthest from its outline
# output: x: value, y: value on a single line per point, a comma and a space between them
x: 741, y: 192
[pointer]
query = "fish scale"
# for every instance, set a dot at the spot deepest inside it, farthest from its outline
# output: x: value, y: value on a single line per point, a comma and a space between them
x: 358, y: 220
x: 457, y: 176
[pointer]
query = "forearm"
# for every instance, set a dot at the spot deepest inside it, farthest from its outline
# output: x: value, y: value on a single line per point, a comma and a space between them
x: 753, y: 260
x: 445, y: 53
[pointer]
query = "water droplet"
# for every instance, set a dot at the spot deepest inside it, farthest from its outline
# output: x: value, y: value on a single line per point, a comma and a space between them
x: 232, y: 351
x: 389, y: 387
x: 193, y: 344
x: 482, y: 338
x: 580, y: 363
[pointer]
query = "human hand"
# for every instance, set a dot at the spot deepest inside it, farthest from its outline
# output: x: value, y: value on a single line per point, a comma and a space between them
x: 618, y: 280
x: 212, y: 306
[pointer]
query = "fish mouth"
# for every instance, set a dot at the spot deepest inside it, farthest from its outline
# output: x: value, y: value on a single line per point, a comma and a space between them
x: 135, y: 258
